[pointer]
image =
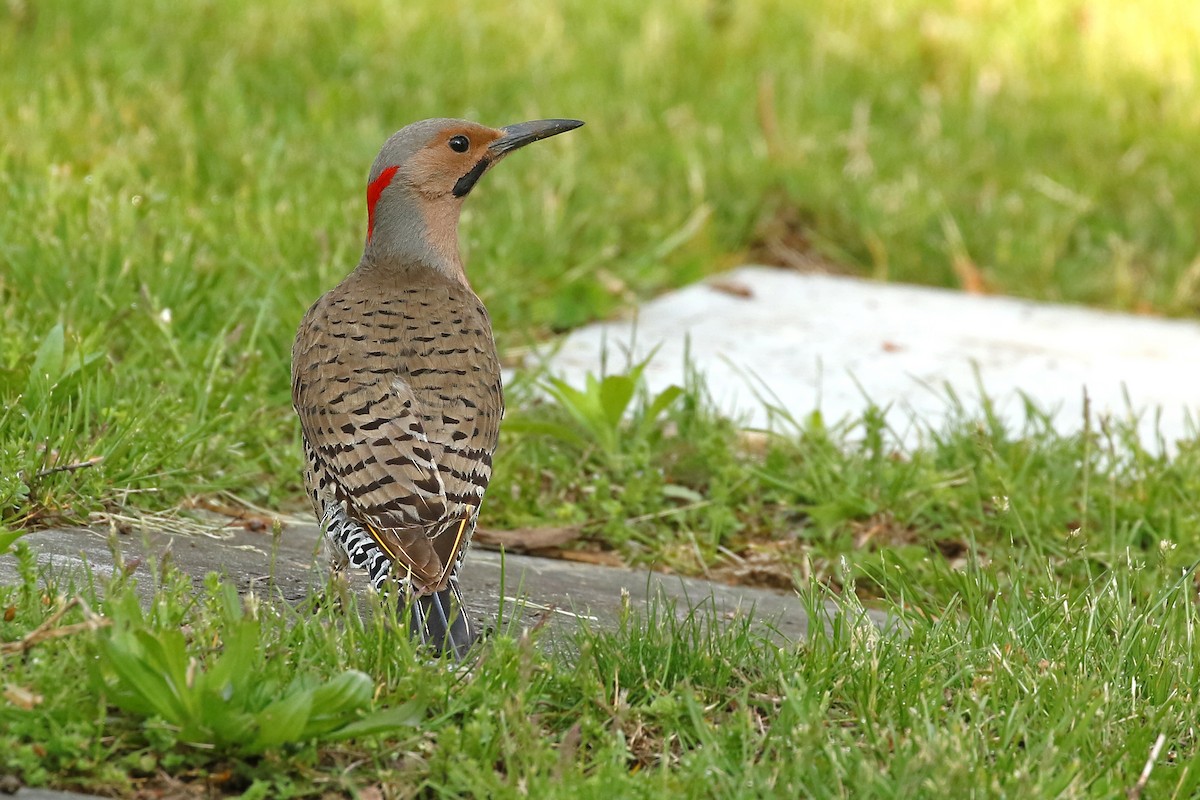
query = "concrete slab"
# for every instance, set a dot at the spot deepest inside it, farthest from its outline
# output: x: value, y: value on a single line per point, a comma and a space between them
x: 809, y: 342
x: 530, y: 588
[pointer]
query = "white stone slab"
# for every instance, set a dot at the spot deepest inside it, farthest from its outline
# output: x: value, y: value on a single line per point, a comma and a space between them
x: 816, y: 342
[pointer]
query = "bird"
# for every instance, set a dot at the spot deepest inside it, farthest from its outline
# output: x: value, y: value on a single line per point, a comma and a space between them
x: 396, y: 379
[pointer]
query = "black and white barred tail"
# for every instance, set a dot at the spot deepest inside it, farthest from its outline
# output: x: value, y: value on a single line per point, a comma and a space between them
x: 438, y: 620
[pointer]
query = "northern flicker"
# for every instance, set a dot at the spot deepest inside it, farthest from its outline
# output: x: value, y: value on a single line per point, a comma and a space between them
x: 396, y: 380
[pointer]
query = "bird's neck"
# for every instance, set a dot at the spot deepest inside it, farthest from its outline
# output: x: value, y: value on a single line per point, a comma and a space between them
x: 405, y: 234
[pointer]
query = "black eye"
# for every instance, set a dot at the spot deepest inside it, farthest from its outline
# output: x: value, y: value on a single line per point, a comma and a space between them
x: 459, y: 144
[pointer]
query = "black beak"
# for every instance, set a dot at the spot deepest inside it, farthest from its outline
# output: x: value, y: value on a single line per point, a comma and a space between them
x: 515, y: 136
x: 524, y: 133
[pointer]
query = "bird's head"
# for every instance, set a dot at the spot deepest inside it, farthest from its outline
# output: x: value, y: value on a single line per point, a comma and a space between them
x: 424, y: 172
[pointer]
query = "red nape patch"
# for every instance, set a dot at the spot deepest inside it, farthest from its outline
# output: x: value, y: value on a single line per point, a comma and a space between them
x: 373, y: 191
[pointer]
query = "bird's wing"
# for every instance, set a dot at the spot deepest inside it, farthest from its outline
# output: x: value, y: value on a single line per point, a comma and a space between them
x: 365, y: 424
x: 462, y: 403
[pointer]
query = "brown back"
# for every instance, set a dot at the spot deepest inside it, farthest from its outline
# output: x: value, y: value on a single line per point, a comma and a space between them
x: 397, y: 384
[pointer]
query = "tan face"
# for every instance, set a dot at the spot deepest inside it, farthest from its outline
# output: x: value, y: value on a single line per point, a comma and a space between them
x: 451, y: 164
x: 424, y: 171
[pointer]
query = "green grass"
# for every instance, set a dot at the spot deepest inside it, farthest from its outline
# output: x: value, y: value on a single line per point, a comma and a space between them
x: 178, y: 182
x: 1018, y: 687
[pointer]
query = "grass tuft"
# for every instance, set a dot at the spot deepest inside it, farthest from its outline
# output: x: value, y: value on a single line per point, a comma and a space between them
x: 1020, y: 684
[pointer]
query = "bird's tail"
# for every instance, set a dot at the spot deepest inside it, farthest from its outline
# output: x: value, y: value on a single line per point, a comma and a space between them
x: 440, y: 621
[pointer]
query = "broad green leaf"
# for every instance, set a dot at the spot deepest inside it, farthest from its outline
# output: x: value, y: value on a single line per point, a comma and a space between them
x: 48, y: 362
x: 663, y: 401
x: 144, y: 686
x: 220, y: 721
x: 616, y: 392
x: 405, y: 715
x: 349, y: 691
x: 285, y: 720
x: 554, y: 430
x: 570, y: 397
x: 8, y: 539
x: 237, y: 667
x: 135, y: 687
x: 78, y: 363
x: 338, y: 700
x: 165, y: 652
x: 231, y: 602
x: 583, y: 405
x: 677, y: 492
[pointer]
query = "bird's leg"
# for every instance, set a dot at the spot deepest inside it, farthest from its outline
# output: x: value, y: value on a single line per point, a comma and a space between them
x: 445, y: 626
x: 438, y: 609
x: 418, y: 623
x: 461, y: 609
